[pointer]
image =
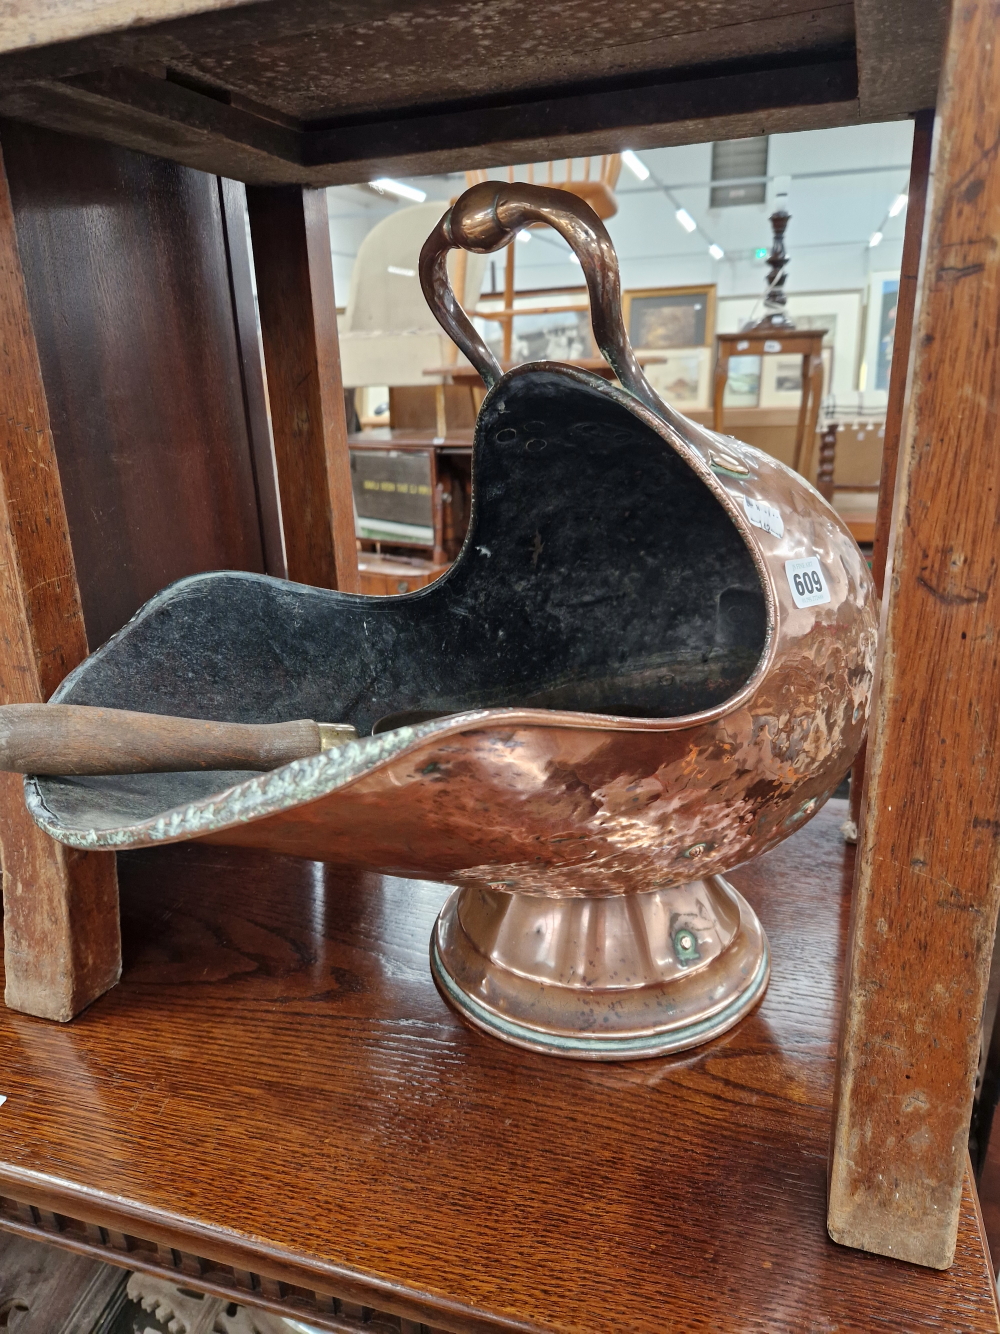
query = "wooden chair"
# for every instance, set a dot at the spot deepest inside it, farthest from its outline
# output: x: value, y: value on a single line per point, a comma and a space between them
x: 594, y: 185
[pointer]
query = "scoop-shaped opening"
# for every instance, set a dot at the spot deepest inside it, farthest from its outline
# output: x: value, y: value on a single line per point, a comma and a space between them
x: 600, y: 574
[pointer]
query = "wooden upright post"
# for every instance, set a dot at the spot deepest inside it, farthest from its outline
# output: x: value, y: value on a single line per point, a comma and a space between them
x: 920, y: 163
x: 290, y: 230
x: 926, y: 893
x: 62, y: 945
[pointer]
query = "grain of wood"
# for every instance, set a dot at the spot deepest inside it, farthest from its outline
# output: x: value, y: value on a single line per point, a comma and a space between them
x: 27, y: 24
x: 290, y: 230
x: 46, y: 1291
x: 925, y: 905
x: 166, y: 119
x: 277, y: 1033
x: 394, y: 53
x: 906, y: 303
x: 899, y: 54
x: 77, y: 739
x: 61, y: 933
x: 128, y: 286
x: 233, y: 201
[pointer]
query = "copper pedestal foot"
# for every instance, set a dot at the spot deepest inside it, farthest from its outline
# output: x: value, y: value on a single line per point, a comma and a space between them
x: 604, y: 979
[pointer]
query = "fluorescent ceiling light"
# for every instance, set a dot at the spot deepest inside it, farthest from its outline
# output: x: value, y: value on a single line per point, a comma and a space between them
x: 716, y: 251
x: 635, y: 165
x: 686, y: 221
x: 574, y: 258
x: 403, y: 273
x: 385, y: 186
x: 524, y: 236
x: 898, y: 206
x: 876, y: 238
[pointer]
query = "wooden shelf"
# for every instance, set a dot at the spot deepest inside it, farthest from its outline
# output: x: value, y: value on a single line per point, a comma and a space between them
x: 385, y: 437
x: 386, y: 575
x: 299, y: 91
x: 277, y: 1088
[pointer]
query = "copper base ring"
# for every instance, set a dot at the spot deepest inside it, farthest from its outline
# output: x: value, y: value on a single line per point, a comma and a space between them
x: 602, y: 979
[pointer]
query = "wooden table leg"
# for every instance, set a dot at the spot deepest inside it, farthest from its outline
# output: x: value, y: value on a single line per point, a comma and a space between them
x: 827, y: 461
x: 233, y: 200
x: 440, y: 410
x: 62, y: 945
x: 812, y: 416
x: 920, y: 163
x: 721, y: 376
x: 437, y: 509
x: 290, y: 230
x: 800, y: 425
x: 928, y: 871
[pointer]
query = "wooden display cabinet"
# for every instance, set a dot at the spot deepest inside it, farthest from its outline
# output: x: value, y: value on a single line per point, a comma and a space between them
x: 274, y: 1102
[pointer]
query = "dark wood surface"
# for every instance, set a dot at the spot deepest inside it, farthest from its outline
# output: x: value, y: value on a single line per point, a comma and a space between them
x: 927, y: 888
x: 60, y: 908
x: 989, y: 1194
x: 385, y: 437
x: 45, y: 1291
x: 906, y: 302
x: 236, y: 227
x: 276, y: 1084
x: 125, y: 264
x: 290, y: 229
x: 449, y: 458
x: 389, y: 575
x: 424, y: 407
x: 297, y: 91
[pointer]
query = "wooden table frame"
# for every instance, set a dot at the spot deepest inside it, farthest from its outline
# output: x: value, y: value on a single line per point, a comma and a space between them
x: 926, y: 895
x: 276, y: 1106
x: 928, y: 872
x: 808, y: 343
x: 440, y: 449
x: 60, y: 907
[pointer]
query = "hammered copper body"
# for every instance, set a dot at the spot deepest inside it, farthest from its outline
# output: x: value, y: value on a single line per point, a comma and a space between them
x: 643, y: 692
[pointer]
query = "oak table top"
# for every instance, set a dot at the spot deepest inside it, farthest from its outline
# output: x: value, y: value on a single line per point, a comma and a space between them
x: 276, y: 1084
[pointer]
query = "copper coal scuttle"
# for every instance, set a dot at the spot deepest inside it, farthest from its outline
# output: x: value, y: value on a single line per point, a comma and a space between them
x: 650, y: 662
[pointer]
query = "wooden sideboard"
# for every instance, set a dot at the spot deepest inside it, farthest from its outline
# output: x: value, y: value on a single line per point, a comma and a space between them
x: 276, y: 1105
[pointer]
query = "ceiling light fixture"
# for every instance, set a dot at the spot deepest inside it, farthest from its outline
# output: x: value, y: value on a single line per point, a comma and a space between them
x: 686, y: 221
x: 524, y: 236
x: 876, y: 238
x: 635, y: 165
x: 385, y: 186
x: 716, y: 251
x: 898, y: 205
x: 403, y: 273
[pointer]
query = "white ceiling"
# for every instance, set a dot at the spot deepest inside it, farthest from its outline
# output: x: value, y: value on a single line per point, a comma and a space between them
x: 840, y: 183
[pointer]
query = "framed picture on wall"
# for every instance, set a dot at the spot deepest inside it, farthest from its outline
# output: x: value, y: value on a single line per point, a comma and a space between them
x: 743, y: 385
x: 886, y: 332
x: 880, y: 330
x: 683, y: 377
x: 781, y: 379
x: 548, y: 335
x: 838, y: 312
x: 657, y: 318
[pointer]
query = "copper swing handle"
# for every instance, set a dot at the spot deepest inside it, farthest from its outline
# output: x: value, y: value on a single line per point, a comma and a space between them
x: 77, y: 739
x: 486, y: 218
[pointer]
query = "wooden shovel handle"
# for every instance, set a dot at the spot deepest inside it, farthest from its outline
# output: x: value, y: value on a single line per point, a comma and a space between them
x: 76, y: 739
